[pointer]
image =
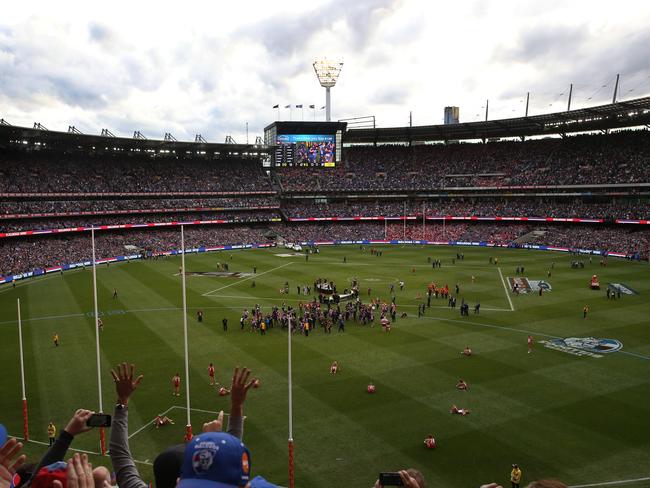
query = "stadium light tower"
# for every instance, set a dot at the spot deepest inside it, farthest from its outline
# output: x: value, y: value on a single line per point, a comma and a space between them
x: 328, y: 74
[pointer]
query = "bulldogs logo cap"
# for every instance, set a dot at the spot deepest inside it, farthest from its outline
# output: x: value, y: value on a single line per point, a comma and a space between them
x: 215, y: 460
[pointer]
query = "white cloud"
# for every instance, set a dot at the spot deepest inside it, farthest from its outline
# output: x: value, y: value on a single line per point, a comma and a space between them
x: 210, y: 67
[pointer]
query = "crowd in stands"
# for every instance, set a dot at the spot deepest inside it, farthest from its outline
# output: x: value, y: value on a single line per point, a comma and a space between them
x: 22, y: 254
x: 622, y: 157
x: 480, y: 207
x: 14, y: 207
x: 88, y: 221
x: 19, y: 255
x: 25, y: 254
x: 47, y: 173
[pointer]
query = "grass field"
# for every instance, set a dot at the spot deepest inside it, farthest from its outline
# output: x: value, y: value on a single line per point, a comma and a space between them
x: 581, y: 419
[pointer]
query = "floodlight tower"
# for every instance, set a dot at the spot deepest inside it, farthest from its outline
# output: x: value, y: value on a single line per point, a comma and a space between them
x: 328, y: 74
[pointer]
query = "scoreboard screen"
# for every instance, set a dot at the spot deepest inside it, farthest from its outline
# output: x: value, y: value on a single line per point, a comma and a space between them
x: 305, y: 150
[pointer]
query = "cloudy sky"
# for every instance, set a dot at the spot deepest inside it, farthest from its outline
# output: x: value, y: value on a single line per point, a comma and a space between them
x: 209, y: 67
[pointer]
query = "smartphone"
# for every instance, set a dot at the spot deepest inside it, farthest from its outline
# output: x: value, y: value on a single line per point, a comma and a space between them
x: 390, y: 479
x: 99, y: 420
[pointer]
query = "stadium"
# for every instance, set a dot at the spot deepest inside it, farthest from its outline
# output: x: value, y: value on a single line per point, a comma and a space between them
x: 454, y: 299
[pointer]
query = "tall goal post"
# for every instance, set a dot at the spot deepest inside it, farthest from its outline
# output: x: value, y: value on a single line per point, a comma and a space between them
x: 22, y: 373
x: 290, y: 383
x: 102, y: 433
x: 188, y: 426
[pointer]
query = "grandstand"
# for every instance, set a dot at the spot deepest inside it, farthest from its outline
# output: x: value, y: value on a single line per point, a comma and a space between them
x: 598, y: 183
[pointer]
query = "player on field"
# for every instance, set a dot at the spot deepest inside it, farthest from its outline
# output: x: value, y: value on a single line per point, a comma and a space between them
x: 162, y: 420
x: 55, y: 338
x: 211, y: 374
x: 467, y: 351
x: 223, y: 391
x: 585, y: 311
x: 530, y: 344
x: 100, y: 324
x: 114, y: 293
x: 334, y: 368
x: 462, y: 385
x: 430, y: 442
x: 176, y: 383
x: 459, y: 411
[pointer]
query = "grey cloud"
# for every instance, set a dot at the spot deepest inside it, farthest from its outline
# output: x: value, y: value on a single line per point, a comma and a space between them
x: 284, y: 36
x: 98, y: 32
x: 391, y: 95
x: 544, y: 42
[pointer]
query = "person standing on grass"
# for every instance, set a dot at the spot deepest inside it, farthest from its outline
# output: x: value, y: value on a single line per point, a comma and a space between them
x: 51, y: 432
x: 224, y: 322
x: 55, y: 339
x: 530, y: 344
x: 515, y: 476
x: 585, y: 311
x: 211, y: 374
x: 114, y: 293
x: 176, y: 383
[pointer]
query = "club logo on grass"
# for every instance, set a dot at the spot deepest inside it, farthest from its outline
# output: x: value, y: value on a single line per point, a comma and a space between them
x: 521, y: 284
x: 536, y: 285
x: 584, y: 346
x: 220, y: 274
x: 623, y: 288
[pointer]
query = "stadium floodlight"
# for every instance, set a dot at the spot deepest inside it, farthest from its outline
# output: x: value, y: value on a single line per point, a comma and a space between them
x: 327, y: 73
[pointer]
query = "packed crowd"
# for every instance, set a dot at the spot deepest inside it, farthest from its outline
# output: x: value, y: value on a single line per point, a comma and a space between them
x: 21, y: 255
x: 25, y: 254
x: 87, y: 221
x: 622, y: 157
x: 20, y: 172
x: 72, y: 207
x: 480, y: 207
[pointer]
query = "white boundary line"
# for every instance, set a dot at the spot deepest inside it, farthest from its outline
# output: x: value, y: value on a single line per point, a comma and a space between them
x: 610, y: 483
x: 148, y: 424
x: 208, y: 293
x: 505, y: 288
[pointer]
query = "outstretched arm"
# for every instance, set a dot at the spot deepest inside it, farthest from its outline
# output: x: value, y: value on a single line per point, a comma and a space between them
x: 238, y: 391
x: 125, y: 470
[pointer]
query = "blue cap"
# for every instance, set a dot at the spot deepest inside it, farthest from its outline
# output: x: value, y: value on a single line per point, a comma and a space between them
x: 260, y: 482
x: 3, y: 435
x: 215, y: 460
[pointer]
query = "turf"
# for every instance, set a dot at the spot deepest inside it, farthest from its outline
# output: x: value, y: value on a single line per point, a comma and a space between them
x: 581, y: 419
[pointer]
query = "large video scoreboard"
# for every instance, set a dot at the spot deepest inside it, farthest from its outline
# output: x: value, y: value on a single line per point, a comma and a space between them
x: 314, y: 144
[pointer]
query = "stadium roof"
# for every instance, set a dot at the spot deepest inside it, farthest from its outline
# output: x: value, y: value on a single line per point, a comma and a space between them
x: 629, y: 113
x: 11, y: 135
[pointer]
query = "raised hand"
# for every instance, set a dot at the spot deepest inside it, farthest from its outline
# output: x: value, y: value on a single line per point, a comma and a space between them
x: 239, y: 389
x: 408, y: 480
x: 77, y: 423
x: 9, y: 465
x: 79, y: 473
x: 125, y: 385
x: 215, y: 425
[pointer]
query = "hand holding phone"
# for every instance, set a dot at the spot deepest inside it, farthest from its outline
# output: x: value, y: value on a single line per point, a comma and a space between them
x: 99, y: 420
x: 390, y: 479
